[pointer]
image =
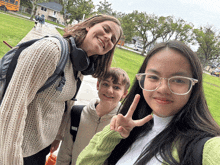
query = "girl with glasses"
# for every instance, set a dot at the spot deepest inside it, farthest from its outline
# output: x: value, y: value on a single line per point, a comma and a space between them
x: 169, y: 89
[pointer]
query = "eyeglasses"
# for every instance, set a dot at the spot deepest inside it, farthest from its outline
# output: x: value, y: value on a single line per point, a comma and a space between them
x: 178, y: 85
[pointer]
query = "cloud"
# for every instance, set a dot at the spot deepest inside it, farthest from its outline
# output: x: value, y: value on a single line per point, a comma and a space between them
x: 208, y: 5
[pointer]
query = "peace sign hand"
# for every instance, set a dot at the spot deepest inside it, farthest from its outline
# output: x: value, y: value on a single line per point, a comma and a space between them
x: 125, y: 124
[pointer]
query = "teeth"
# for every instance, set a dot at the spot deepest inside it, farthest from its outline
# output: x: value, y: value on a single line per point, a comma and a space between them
x: 101, y: 42
x: 108, y: 96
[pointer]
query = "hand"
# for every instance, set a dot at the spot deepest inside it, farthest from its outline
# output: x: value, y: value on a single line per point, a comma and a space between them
x: 54, y: 145
x: 125, y: 124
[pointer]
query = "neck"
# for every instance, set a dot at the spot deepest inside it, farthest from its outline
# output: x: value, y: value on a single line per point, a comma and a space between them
x: 161, y: 122
x: 104, y: 108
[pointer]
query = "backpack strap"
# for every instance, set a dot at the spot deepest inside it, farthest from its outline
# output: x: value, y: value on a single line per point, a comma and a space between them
x: 75, y: 119
x: 60, y: 67
x: 13, y: 63
x: 78, y: 84
x: 198, y: 150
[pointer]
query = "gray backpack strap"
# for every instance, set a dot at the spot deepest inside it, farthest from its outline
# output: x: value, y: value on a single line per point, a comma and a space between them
x: 60, y: 67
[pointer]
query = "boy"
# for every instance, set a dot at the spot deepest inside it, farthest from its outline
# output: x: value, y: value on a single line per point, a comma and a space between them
x: 112, y: 88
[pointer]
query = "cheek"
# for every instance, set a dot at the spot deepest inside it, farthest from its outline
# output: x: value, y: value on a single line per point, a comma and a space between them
x: 146, y: 96
x: 183, y: 101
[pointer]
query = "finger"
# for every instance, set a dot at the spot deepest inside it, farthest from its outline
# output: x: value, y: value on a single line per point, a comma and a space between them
x: 123, y: 132
x: 112, y: 123
x: 143, y: 121
x: 133, y: 106
x: 120, y: 121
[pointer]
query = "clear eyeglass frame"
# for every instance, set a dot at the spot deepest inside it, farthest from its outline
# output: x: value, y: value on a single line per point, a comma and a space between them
x: 193, y: 82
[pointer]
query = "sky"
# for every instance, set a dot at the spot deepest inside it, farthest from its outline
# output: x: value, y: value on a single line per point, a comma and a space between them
x: 198, y: 12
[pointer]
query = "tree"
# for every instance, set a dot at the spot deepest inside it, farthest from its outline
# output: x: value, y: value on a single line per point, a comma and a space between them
x: 148, y: 27
x: 76, y: 9
x: 34, y: 7
x: 104, y: 8
x: 209, y: 44
x: 183, y: 31
x: 26, y: 3
x: 176, y: 29
x: 128, y: 26
x: 80, y: 9
x: 169, y: 27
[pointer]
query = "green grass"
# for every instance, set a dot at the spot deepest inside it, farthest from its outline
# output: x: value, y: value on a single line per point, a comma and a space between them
x: 54, y: 23
x: 212, y: 93
x: 127, y: 60
x: 13, y: 29
x: 60, y: 31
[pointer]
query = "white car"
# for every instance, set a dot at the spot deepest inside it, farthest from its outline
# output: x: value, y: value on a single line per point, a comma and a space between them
x: 139, y: 48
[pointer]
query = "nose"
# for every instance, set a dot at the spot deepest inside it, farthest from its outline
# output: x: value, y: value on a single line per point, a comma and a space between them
x: 108, y: 36
x: 110, y: 90
x: 163, y: 87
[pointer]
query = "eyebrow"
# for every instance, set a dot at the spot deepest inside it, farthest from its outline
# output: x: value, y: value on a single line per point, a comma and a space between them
x: 113, y: 83
x: 173, y: 74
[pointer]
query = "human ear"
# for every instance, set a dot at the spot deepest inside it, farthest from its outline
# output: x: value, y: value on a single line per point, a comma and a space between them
x: 97, y: 85
x: 125, y: 94
x: 87, y: 29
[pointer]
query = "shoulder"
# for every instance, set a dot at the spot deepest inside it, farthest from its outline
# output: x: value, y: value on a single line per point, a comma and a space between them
x: 92, y: 104
x: 49, y: 45
x: 213, y: 142
x: 211, y: 151
x: 46, y: 49
x: 52, y: 40
x: 46, y: 42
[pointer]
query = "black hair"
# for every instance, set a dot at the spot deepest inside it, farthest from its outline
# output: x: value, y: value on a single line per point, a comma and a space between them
x: 192, y: 123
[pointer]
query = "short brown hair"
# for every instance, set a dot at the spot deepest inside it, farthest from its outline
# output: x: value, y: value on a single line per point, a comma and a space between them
x: 116, y: 74
x: 79, y: 32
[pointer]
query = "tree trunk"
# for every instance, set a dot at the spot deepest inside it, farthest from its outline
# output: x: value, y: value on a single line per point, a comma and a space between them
x: 34, y: 9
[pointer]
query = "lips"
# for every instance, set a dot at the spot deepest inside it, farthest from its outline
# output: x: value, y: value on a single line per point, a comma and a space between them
x: 109, y: 97
x: 163, y: 100
x: 102, y: 43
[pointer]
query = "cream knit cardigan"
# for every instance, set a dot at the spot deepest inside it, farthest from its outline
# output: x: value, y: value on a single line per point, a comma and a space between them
x: 30, y: 122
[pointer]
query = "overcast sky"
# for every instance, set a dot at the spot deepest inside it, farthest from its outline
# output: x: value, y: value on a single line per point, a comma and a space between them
x: 198, y: 12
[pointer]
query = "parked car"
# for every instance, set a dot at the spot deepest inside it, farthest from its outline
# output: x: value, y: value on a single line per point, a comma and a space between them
x: 216, y: 72
x: 139, y: 48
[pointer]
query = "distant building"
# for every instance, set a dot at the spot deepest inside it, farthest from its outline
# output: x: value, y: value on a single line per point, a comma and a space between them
x: 51, y: 11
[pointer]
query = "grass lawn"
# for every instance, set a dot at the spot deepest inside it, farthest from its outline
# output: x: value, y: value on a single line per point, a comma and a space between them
x: 13, y: 29
x: 127, y: 60
x: 212, y: 93
x: 60, y: 31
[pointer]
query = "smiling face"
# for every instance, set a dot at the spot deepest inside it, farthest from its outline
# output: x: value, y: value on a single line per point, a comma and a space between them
x: 101, y: 38
x: 167, y: 63
x: 111, y: 93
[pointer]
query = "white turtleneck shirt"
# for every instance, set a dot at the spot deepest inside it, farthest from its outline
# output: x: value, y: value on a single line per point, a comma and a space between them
x: 138, y: 146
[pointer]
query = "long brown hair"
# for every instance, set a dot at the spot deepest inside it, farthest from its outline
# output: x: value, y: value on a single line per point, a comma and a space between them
x: 192, y: 123
x: 79, y: 32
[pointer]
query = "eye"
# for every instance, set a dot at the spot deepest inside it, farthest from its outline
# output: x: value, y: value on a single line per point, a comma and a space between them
x: 113, y: 39
x: 179, y: 80
x: 152, y: 77
x: 106, y: 29
x: 105, y: 84
x: 117, y: 88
